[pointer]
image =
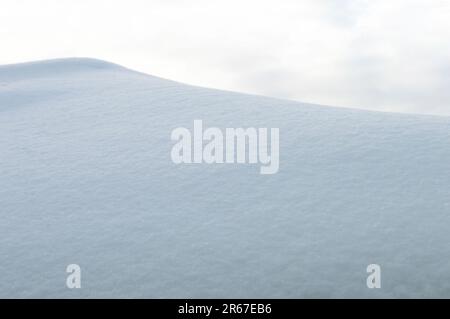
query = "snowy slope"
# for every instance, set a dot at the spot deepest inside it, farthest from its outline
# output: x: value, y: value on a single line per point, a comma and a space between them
x: 86, y: 178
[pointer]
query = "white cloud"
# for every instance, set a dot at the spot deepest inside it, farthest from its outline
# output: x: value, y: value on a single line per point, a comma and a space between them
x: 388, y: 55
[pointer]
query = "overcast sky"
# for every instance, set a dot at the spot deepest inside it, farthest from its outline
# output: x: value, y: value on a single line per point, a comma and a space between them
x: 391, y: 55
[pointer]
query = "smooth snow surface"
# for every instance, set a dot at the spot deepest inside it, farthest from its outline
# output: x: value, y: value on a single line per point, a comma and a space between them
x: 86, y: 178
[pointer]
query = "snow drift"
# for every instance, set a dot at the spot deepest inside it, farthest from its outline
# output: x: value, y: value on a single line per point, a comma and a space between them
x: 86, y: 178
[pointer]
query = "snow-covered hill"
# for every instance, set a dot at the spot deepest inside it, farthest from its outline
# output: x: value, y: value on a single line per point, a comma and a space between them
x: 86, y: 178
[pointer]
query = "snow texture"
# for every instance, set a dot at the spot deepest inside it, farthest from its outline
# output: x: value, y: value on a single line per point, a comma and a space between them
x: 86, y: 178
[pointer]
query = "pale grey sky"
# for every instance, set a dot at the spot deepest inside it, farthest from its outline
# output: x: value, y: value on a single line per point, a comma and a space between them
x: 391, y: 55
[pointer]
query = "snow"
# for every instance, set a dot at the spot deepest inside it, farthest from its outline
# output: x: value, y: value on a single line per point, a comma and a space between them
x: 86, y: 178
